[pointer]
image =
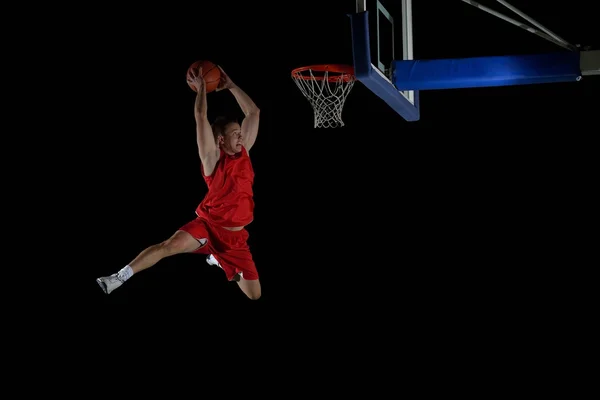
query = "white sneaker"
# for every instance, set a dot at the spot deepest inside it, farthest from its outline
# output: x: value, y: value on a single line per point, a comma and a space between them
x: 211, y: 260
x: 110, y: 283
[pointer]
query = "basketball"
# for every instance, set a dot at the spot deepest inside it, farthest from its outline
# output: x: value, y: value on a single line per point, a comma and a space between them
x: 210, y: 72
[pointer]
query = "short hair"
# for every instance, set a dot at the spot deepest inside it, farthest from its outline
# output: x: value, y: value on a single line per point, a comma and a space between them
x: 219, y: 124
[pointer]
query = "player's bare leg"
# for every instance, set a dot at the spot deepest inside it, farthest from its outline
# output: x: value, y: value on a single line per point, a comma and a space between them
x: 250, y: 288
x: 180, y: 242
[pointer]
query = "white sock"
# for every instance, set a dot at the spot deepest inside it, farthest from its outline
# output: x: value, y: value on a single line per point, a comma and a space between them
x: 125, y: 273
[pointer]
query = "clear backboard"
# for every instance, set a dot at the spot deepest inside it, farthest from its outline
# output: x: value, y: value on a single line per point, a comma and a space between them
x: 382, y: 33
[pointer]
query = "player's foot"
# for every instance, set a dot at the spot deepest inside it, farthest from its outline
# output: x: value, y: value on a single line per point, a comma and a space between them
x: 211, y: 260
x: 109, y: 283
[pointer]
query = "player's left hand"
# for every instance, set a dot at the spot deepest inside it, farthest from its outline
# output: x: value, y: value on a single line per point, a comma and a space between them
x: 225, y: 82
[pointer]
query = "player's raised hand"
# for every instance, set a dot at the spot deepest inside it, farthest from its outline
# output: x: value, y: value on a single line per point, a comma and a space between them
x: 196, y: 79
x: 225, y: 82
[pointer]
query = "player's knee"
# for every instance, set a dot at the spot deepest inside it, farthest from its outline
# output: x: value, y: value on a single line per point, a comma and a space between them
x: 176, y: 245
x: 254, y: 295
x: 252, y: 291
x: 169, y: 247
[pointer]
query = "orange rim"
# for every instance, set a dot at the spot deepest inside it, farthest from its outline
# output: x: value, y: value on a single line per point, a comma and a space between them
x: 346, y: 72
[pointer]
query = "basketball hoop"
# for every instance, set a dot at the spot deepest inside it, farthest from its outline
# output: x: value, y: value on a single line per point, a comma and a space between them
x: 326, y: 87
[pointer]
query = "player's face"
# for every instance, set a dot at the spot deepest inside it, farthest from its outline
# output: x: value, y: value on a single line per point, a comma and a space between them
x: 232, y: 141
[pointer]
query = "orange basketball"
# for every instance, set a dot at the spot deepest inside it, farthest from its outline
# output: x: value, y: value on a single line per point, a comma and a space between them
x: 210, y: 72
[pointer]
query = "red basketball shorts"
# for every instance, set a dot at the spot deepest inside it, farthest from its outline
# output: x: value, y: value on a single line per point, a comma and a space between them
x: 230, y: 248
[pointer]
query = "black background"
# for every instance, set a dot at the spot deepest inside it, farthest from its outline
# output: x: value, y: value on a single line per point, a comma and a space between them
x: 382, y: 225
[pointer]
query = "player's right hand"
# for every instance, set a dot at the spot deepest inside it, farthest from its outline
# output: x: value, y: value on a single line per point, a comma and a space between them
x: 196, y: 79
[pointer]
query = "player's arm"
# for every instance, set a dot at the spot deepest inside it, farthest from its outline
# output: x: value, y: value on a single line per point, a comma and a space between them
x: 207, y: 148
x: 251, y: 111
x: 251, y: 116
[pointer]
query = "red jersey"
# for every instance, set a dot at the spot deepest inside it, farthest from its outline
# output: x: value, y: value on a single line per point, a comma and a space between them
x: 229, y: 201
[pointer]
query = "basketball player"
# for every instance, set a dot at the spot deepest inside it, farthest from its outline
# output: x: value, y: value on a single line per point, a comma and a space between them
x: 218, y: 230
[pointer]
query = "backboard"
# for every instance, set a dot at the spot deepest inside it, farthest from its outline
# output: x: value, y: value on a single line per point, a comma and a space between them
x: 382, y: 33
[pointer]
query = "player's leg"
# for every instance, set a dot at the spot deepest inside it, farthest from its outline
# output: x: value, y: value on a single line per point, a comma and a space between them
x: 234, y: 258
x: 188, y: 239
x: 251, y: 288
x: 180, y: 242
x: 239, y: 267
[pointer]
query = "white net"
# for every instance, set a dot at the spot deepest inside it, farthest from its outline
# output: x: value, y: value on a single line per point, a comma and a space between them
x: 326, y: 91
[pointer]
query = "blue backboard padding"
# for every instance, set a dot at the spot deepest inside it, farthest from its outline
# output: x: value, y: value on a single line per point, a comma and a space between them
x: 486, y: 71
x: 365, y: 73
